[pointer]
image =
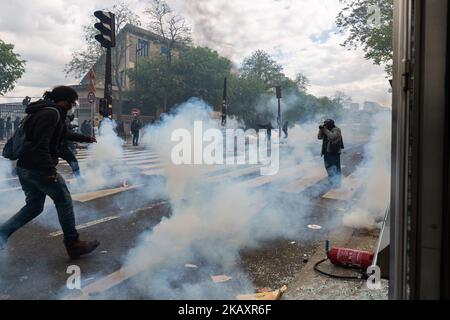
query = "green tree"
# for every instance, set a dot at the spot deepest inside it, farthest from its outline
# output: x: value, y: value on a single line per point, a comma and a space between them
x: 261, y: 66
x: 197, y: 72
x: 152, y: 80
x: 12, y: 67
x: 202, y: 72
x: 359, y: 19
x: 244, y: 95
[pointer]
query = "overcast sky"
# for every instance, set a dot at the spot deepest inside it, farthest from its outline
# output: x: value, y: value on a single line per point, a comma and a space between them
x: 299, y: 34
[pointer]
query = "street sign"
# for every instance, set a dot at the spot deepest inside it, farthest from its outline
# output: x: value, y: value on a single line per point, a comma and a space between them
x: 135, y: 112
x: 91, y: 97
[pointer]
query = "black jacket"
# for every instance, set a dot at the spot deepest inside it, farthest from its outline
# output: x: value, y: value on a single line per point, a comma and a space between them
x: 46, y: 134
x: 136, y: 125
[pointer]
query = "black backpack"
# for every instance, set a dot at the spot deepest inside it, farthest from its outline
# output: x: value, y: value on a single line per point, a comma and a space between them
x: 18, y: 144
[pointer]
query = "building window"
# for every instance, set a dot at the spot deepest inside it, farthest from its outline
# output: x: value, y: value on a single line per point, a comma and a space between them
x: 143, y: 48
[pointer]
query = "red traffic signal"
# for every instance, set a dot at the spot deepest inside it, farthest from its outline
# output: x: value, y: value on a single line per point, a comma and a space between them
x: 107, y: 28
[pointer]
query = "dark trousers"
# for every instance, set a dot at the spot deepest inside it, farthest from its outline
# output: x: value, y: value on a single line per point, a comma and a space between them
x: 36, y: 189
x: 333, y: 167
x: 135, y: 138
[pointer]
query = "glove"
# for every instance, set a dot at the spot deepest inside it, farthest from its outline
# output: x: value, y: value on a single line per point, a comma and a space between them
x: 92, y: 140
x: 51, y: 179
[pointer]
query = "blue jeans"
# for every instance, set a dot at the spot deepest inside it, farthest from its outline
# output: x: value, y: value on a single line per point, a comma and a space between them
x: 333, y: 166
x: 36, y: 189
x: 75, y: 169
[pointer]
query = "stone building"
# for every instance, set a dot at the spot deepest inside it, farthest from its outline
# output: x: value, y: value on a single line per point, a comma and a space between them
x: 133, y: 44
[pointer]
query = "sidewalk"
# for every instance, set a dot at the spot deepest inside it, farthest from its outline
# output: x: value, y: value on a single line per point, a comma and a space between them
x: 310, y: 285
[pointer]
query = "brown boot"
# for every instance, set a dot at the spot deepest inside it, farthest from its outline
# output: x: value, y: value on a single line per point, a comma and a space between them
x: 78, y: 248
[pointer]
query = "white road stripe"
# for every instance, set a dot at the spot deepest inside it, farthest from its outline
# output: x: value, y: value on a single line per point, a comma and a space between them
x: 85, y: 225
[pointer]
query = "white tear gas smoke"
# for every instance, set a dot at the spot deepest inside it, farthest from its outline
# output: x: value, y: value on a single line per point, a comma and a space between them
x: 302, y: 143
x: 374, y: 175
x: 105, y: 161
x: 11, y: 196
x: 5, y: 176
x: 211, y: 222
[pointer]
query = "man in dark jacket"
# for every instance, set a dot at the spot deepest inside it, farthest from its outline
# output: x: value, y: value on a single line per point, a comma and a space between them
x: 8, y: 128
x: 331, y: 151
x: 36, y: 169
x: 286, y: 129
x: 84, y: 128
x: 136, y: 126
x: 2, y: 128
x: 16, y: 123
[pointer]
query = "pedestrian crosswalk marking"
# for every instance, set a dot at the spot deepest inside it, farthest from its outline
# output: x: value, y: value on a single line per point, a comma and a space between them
x: 350, y: 185
x: 311, y: 178
x: 85, y: 225
x: 86, y: 197
x: 282, y: 176
x: 148, y: 163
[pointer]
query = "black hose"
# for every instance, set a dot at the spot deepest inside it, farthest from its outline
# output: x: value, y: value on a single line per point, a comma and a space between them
x: 362, y: 275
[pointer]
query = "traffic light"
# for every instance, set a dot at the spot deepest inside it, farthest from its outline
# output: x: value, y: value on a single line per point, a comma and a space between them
x: 107, y: 28
x: 104, y: 108
x: 278, y: 89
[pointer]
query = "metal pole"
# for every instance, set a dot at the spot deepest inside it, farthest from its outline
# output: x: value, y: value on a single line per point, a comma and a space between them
x: 135, y: 75
x: 108, y: 81
x: 224, y: 117
x: 92, y: 119
x: 279, y: 118
x: 224, y: 104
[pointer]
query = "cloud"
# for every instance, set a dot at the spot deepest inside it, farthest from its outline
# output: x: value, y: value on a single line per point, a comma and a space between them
x: 299, y: 34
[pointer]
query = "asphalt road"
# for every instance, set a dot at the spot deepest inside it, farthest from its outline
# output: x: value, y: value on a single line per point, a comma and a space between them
x: 34, y: 265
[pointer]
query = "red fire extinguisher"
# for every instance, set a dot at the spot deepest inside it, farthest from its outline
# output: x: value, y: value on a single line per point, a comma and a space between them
x: 351, y: 258
x: 347, y: 258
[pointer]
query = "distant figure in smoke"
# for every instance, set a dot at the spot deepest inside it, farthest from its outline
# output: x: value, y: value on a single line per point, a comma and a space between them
x: 67, y: 150
x: 285, y: 129
x: 45, y: 129
x: 89, y: 129
x: 8, y: 128
x: 16, y: 123
x: 121, y: 130
x: 84, y: 128
x: 2, y: 129
x: 136, y: 126
x: 331, y: 151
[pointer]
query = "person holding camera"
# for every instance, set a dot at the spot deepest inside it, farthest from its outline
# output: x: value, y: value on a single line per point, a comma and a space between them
x: 331, y: 151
